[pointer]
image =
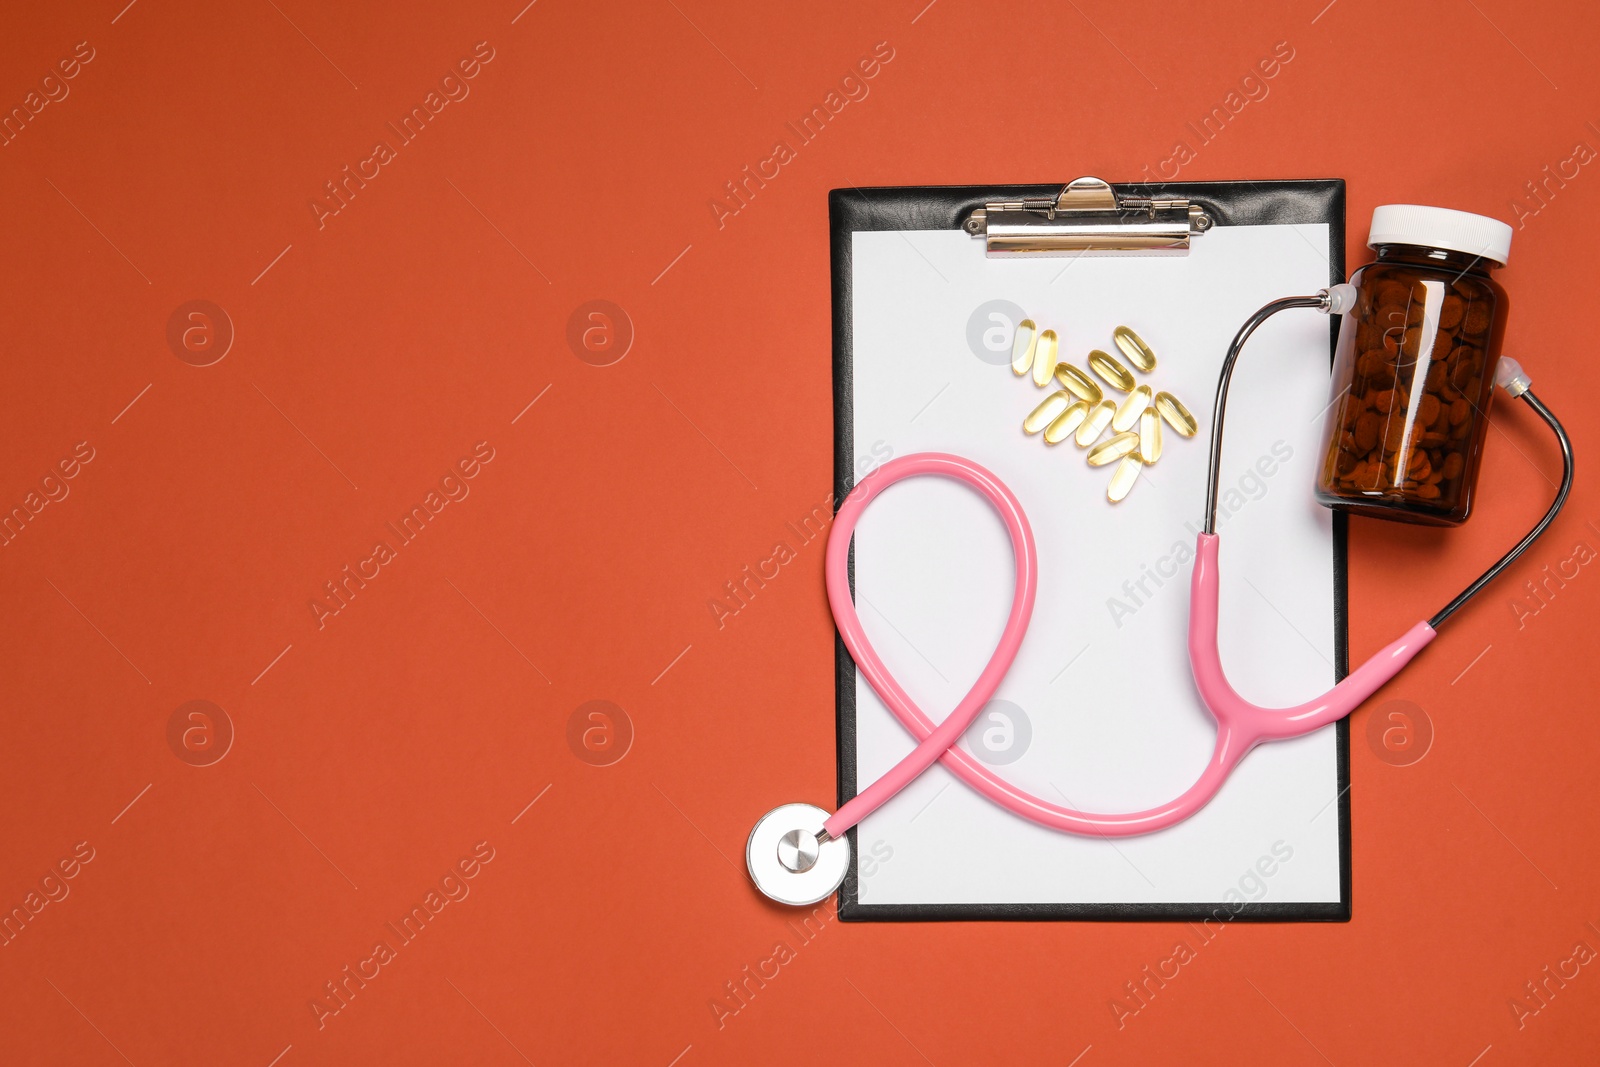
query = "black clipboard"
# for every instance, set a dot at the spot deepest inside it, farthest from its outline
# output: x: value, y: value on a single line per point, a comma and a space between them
x: 1231, y: 203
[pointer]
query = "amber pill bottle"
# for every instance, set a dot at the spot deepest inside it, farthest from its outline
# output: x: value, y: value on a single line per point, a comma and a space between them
x: 1414, y: 368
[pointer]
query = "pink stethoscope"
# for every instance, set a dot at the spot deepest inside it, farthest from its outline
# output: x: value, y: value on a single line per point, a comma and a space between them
x: 798, y: 854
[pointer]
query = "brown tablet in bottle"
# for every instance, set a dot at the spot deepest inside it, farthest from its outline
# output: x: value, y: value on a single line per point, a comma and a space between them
x: 1414, y: 369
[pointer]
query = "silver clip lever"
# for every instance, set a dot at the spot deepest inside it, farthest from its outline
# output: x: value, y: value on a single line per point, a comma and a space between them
x: 1087, y: 216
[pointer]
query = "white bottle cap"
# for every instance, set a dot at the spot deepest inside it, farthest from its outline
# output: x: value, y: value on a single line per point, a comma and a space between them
x: 1440, y: 227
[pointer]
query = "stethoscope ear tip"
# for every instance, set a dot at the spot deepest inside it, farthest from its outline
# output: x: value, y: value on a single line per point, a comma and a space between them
x: 790, y: 858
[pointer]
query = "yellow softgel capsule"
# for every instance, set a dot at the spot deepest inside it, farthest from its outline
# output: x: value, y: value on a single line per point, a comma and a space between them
x: 1133, y: 346
x: 1111, y: 369
x: 1080, y: 383
x: 1132, y: 406
x: 1094, y: 425
x: 1149, y: 436
x: 1047, y: 412
x: 1022, y: 343
x: 1176, y: 414
x: 1064, y: 424
x: 1113, y: 448
x: 1044, y: 358
x: 1123, y: 477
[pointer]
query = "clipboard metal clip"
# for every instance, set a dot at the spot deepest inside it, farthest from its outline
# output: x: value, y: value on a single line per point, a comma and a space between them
x: 1086, y: 216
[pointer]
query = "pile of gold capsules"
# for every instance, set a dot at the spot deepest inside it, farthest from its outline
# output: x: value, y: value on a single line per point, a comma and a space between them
x: 1082, y: 411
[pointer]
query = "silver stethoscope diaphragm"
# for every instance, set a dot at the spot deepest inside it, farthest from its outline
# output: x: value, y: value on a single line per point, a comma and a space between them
x: 791, y: 860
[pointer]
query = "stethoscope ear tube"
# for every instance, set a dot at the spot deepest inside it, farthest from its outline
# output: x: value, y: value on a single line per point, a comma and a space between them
x: 1255, y: 724
x: 1340, y: 299
x: 1323, y: 302
x: 1520, y: 388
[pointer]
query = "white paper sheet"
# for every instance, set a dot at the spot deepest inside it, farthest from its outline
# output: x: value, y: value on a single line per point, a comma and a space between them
x: 1115, y: 722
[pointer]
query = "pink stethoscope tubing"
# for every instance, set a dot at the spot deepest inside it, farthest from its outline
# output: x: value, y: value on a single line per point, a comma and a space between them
x: 1241, y: 725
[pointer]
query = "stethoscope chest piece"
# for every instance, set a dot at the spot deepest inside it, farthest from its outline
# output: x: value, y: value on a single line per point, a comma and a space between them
x: 791, y: 860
